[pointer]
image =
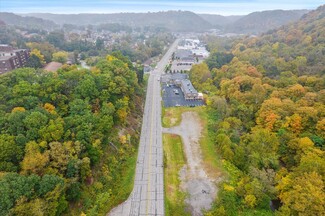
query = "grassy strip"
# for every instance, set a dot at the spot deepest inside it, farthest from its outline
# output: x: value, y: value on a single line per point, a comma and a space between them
x: 127, y: 182
x: 174, y: 160
x: 173, y: 116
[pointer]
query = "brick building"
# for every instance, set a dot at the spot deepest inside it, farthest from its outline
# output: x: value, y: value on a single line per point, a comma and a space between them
x: 11, y: 58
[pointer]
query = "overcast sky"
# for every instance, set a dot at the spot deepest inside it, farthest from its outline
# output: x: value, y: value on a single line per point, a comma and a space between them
x: 223, y: 7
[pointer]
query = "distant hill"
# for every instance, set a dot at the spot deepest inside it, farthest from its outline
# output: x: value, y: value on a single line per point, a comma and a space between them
x: 259, y: 22
x: 172, y: 20
x: 218, y: 20
x: 179, y: 21
x: 27, y: 22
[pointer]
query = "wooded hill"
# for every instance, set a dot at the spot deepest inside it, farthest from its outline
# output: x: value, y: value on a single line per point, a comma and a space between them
x: 172, y: 20
x: 68, y: 139
x: 259, y: 22
x: 266, y: 103
x: 27, y: 22
x: 184, y: 21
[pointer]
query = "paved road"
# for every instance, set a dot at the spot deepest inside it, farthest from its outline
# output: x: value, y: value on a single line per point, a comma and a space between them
x: 147, y: 197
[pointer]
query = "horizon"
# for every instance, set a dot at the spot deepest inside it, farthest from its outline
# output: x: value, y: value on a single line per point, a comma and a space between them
x: 213, y: 7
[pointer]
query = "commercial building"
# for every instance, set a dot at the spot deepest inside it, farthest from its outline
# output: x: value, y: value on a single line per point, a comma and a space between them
x: 189, y: 91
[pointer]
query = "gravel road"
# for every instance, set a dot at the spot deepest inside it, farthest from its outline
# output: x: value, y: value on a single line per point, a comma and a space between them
x: 200, y: 188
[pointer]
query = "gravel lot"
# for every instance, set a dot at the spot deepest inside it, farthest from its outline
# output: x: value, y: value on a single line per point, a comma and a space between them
x: 201, y: 189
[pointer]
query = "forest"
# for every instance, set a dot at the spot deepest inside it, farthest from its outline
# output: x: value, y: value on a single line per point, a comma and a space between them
x: 68, y: 139
x: 266, y: 101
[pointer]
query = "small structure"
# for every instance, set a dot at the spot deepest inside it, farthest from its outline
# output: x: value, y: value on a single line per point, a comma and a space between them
x: 147, y: 68
x: 200, y: 96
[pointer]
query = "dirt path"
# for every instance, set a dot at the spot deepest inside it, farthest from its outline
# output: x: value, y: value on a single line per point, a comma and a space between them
x: 201, y: 189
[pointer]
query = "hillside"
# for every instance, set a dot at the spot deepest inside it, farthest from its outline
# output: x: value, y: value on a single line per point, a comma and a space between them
x: 259, y: 22
x: 266, y: 104
x: 68, y: 139
x: 172, y: 20
x: 28, y: 22
x: 181, y: 21
x: 301, y: 43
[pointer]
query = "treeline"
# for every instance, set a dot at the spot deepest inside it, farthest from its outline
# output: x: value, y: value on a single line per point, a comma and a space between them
x: 62, y: 45
x: 267, y: 107
x: 151, y: 47
x: 66, y: 137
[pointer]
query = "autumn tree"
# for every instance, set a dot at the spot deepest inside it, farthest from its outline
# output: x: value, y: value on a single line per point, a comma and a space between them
x: 60, y: 56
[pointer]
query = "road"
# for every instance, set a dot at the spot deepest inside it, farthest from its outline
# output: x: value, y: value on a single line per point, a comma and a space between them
x: 147, y: 197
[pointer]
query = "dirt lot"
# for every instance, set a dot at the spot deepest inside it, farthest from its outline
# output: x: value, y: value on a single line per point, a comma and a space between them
x: 200, y: 188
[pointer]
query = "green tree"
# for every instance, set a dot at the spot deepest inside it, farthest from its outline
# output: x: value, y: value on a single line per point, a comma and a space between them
x: 10, y: 154
x: 262, y: 148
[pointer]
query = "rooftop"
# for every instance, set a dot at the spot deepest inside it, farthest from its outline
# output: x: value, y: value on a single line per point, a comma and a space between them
x: 2, y: 58
x: 187, y: 87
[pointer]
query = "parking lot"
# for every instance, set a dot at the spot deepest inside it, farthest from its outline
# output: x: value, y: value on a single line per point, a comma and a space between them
x: 173, y: 96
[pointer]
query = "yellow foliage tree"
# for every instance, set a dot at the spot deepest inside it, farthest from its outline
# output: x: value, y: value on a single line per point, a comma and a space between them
x: 250, y: 201
x: 39, y: 55
x: 18, y: 109
x: 321, y: 128
x: 60, y: 57
x: 111, y: 58
x: 34, y: 161
x: 302, y: 195
x: 293, y: 123
x: 49, y: 107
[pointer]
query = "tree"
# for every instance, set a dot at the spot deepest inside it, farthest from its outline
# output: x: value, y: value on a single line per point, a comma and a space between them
x: 59, y: 157
x: 60, y: 56
x: 34, y: 161
x: 45, y: 48
x: 99, y: 43
x: 199, y: 74
x: 33, y: 123
x: 321, y: 128
x: 53, y: 131
x: 56, y: 38
x: 74, y: 192
x: 218, y: 59
x: 220, y: 104
x: 34, y: 62
x: 302, y: 195
x: 38, y: 54
x: 13, y: 187
x: 262, y: 149
x: 85, y: 170
x: 10, y: 154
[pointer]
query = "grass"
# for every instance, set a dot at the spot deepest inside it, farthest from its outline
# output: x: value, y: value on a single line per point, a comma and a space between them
x: 173, y: 116
x: 174, y: 160
x: 127, y: 181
